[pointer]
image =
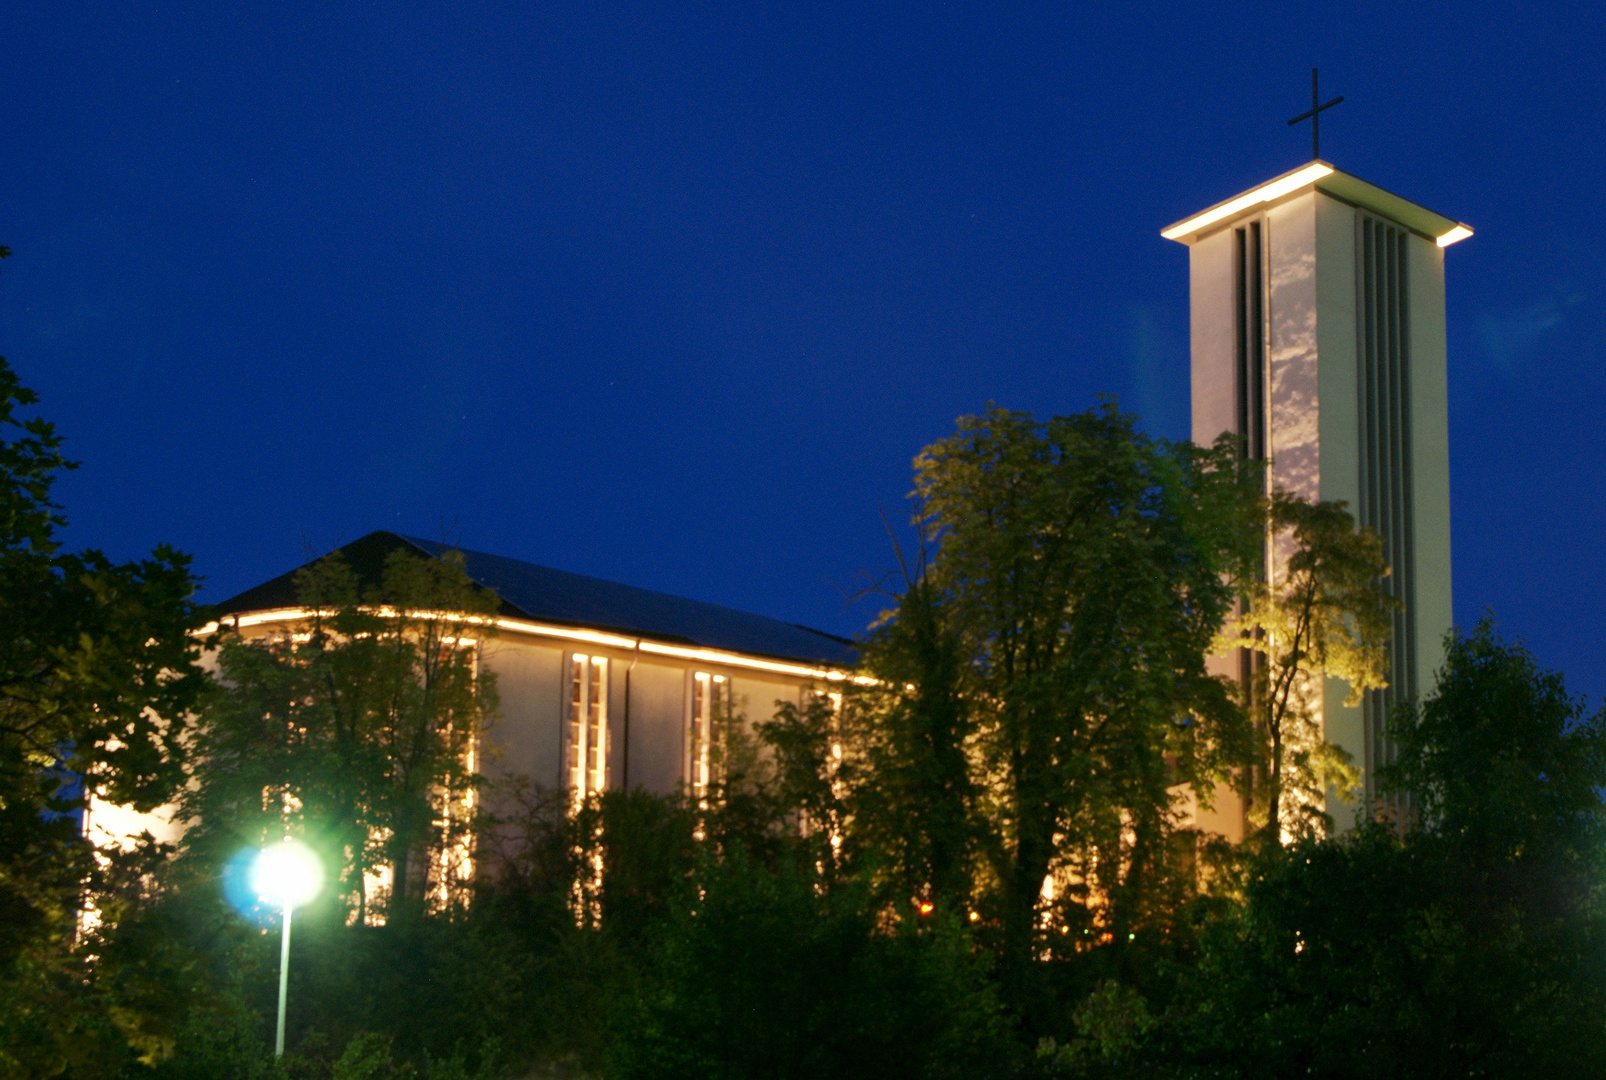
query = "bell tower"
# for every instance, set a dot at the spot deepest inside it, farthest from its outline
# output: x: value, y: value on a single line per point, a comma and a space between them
x: 1318, y: 337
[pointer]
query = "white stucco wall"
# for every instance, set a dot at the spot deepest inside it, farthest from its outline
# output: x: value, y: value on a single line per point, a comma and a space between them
x: 1311, y: 336
x: 649, y: 707
x: 1430, y: 450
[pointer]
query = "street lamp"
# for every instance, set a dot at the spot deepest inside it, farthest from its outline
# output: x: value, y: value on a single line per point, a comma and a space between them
x: 286, y: 875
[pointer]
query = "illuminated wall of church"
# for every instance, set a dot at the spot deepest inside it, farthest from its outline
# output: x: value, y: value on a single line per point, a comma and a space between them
x: 1318, y: 336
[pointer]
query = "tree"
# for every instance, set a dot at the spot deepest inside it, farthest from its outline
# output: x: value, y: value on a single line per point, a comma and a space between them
x: 1044, y: 692
x: 1501, y: 763
x: 756, y: 972
x: 1322, y: 613
x: 97, y: 680
x: 1471, y: 945
x: 917, y: 807
x: 356, y: 730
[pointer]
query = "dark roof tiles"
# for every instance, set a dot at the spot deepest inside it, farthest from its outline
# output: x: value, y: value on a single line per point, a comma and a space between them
x: 557, y: 596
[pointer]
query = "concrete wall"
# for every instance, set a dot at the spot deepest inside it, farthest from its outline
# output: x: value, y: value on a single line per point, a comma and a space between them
x: 1213, y: 332
x: 1339, y: 421
x: 649, y: 709
x: 1430, y: 450
x: 1295, y: 443
x: 658, y: 713
x: 1312, y: 348
x: 527, y: 740
x: 1212, y: 320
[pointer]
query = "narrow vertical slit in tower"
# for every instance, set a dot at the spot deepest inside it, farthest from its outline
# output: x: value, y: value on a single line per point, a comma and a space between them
x: 1366, y: 393
x: 1241, y: 324
x: 1386, y: 498
x: 1257, y: 349
x: 1405, y: 563
x: 1250, y: 380
x: 1250, y: 384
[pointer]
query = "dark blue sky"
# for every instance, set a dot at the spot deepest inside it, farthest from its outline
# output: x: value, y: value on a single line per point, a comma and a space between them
x: 672, y: 294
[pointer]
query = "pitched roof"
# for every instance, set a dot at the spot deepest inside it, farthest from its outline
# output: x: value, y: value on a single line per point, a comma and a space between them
x: 559, y: 597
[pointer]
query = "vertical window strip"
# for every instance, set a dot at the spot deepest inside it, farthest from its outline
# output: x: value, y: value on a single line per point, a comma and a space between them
x: 576, y: 754
x: 597, y: 728
x: 696, y: 770
x: 834, y: 771
x: 1257, y: 349
x: 451, y: 869
x: 1386, y: 472
x: 1405, y: 620
x: 1249, y: 382
x: 587, y: 756
x: 710, y: 693
x: 1250, y: 376
x: 834, y: 698
x: 1241, y: 327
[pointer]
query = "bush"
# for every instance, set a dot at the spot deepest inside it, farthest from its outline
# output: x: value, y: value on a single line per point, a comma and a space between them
x: 757, y: 973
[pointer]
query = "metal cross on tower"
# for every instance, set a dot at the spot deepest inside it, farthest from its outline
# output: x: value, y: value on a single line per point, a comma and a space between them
x: 1315, y: 116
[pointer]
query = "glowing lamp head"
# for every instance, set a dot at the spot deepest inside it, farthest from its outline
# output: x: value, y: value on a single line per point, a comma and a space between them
x: 286, y: 875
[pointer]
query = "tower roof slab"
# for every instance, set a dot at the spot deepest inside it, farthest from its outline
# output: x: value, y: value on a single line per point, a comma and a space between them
x: 1329, y: 180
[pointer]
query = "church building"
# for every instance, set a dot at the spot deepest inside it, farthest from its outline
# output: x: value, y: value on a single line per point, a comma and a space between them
x: 1318, y: 338
x: 603, y: 686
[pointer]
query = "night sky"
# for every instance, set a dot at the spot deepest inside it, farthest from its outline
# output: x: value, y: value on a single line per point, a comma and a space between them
x: 671, y: 294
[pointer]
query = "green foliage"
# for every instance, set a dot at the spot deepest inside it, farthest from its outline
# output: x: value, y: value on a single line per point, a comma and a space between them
x: 711, y: 956
x: 97, y: 679
x: 856, y: 890
x: 646, y: 845
x: 1500, y: 762
x: 914, y: 804
x: 224, y: 1048
x: 757, y: 973
x: 369, y: 1057
x: 354, y: 732
x: 477, y: 987
x: 811, y: 777
x: 1323, y: 613
x: 1111, y: 1025
x: 1474, y: 945
x: 1044, y: 688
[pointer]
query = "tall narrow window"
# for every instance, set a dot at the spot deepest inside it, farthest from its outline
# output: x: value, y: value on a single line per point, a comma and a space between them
x: 451, y: 865
x: 710, y: 701
x: 1251, y: 359
x: 834, y: 769
x: 588, y: 726
x: 1249, y: 381
x: 1386, y: 495
x: 834, y: 699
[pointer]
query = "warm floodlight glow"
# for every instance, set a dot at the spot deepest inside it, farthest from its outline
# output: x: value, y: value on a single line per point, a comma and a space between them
x: 1460, y: 232
x: 595, y: 637
x: 1263, y: 194
x: 286, y: 875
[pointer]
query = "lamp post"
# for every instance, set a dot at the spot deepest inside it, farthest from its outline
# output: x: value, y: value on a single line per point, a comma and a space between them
x: 287, y: 875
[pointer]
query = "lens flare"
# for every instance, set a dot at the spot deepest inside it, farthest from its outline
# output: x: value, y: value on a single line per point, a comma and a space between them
x: 286, y: 875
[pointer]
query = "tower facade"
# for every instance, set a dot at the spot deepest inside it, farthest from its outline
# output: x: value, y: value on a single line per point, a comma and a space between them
x: 1318, y: 337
